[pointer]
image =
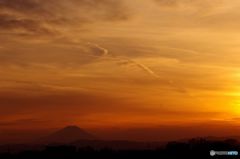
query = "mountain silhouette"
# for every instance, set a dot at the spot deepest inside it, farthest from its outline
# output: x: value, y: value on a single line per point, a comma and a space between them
x: 67, y: 135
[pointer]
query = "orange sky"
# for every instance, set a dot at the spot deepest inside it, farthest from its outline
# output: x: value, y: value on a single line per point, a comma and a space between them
x: 109, y: 63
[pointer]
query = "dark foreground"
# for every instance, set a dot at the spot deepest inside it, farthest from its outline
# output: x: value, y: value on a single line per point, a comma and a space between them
x: 193, y: 149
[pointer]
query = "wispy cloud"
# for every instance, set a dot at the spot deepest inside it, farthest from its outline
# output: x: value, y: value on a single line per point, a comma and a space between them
x: 144, y: 68
x: 103, y: 51
x: 105, y: 54
x: 20, y: 122
x: 43, y: 17
x: 184, y: 3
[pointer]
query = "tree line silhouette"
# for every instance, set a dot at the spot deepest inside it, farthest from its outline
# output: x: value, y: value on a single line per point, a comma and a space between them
x: 192, y: 149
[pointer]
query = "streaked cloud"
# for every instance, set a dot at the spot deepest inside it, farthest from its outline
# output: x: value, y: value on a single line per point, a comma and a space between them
x: 44, y: 17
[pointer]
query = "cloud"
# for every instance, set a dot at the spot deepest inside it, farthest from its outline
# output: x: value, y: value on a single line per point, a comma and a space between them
x: 40, y: 98
x: 45, y: 16
x: 124, y: 60
x: 27, y: 121
x: 144, y: 68
x: 209, y: 14
x: 10, y: 23
x: 103, y: 51
x: 195, y: 8
x: 168, y: 2
x: 184, y: 3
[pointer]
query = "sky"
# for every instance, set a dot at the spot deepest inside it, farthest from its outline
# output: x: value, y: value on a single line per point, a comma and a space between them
x: 119, y: 64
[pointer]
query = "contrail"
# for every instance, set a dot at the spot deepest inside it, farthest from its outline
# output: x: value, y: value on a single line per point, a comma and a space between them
x: 105, y: 54
x: 144, y: 68
x: 153, y: 74
x: 102, y: 49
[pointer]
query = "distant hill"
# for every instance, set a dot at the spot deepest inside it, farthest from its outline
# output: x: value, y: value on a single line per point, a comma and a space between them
x: 68, y: 134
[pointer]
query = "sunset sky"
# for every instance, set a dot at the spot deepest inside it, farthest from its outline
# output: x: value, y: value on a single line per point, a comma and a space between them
x: 119, y: 63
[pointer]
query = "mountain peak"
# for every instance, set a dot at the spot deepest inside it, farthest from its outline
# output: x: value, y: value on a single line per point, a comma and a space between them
x: 69, y: 134
x: 72, y: 128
